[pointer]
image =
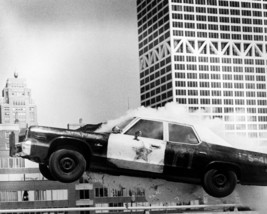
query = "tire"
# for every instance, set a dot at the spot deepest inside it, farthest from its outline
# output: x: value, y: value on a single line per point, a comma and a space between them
x: 219, y: 183
x: 67, y: 165
x: 46, y: 172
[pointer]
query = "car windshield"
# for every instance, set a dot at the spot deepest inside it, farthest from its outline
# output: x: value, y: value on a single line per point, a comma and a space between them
x: 124, y: 123
x: 149, y: 129
x: 121, y: 123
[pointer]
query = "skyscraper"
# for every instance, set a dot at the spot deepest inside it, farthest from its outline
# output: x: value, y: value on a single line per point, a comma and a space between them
x: 206, y: 54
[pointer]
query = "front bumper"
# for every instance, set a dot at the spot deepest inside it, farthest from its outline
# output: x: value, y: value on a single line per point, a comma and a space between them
x: 20, y: 149
x: 17, y: 151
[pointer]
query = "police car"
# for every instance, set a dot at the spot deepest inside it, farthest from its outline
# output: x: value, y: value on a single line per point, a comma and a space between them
x: 143, y: 147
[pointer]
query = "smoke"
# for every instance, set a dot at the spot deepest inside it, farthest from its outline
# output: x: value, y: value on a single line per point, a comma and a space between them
x: 210, y: 130
x: 171, y: 111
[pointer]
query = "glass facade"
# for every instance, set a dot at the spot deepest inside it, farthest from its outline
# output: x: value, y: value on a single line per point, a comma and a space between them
x: 155, y: 52
x: 216, y: 59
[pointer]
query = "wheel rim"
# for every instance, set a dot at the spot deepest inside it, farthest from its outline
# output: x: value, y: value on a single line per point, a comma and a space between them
x: 220, y: 180
x: 67, y: 164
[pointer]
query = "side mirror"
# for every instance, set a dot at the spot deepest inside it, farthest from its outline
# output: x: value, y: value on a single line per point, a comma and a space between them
x: 137, y: 134
x: 116, y: 130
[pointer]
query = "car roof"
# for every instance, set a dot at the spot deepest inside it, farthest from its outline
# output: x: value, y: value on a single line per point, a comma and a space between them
x: 164, y: 120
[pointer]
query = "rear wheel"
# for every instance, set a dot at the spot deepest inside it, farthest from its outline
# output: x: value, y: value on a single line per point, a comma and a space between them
x: 67, y: 165
x: 219, y: 183
x: 46, y: 172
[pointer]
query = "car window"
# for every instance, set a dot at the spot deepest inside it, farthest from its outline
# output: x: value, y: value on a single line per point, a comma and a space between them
x: 183, y: 134
x: 124, y: 123
x: 149, y: 129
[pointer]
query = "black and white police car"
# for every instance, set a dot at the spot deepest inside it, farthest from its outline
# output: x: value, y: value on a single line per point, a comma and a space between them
x: 143, y: 147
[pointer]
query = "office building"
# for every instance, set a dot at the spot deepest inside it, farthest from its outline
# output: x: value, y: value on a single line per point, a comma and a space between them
x: 209, y: 55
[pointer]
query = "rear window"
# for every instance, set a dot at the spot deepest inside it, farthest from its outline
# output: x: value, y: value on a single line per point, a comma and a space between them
x: 182, y: 134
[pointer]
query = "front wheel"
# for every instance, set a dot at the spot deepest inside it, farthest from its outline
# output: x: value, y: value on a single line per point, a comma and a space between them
x: 67, y: 165
x: 219, y: 183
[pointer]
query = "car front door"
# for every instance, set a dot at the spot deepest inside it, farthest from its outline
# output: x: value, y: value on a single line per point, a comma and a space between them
x: 141, y: 147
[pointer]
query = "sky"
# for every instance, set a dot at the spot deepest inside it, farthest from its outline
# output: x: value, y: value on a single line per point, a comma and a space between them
x: 79, y: 57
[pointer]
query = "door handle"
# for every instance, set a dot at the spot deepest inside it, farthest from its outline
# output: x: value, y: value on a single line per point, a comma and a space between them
x: 155, y: 146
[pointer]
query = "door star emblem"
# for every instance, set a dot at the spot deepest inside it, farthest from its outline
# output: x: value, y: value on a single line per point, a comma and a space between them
x: 142, y: 153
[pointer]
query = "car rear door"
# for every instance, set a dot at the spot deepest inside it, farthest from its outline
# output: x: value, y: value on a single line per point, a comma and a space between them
x: 140, y: 147
x: 181, y: 150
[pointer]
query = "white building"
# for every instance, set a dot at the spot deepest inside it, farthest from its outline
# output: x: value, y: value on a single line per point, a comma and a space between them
x: 206, y: 54
x: 17, y: 105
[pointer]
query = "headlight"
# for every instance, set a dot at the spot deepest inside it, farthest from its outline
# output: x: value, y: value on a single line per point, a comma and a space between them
x: 26, y: 147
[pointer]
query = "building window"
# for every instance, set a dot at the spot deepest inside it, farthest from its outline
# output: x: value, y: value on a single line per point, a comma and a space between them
x: 204, y: 93
x: 181, y: 100
x: 84, y: 194
x: 180, y: 84
x: 192, y: 101
x: 8, y: 196
x: 239, y: 93
x: 192, y: 84
x: 235, y: 13
x: 205, y: 101
x: 191, y: 75
x: 181, y: 92
x: 180, y: 75
x: 239, y: 102
x: 228, y: 93
x: 216, y: 101
x: 201, y: 26
x: 10, y: 163
x: 201, y: 10
x: 228, y: 102
x: 262, y: 102
x: 216, y: 93
x: 201, y: 2
x: 189, y: 17
x: 101, y: 192
x: 192, y: 92
x: 246, y: 13
x: 188, y: 9
x: 179, y: 67
x: 251, y: 102
x: 204, y: 84
x: 215, y: 84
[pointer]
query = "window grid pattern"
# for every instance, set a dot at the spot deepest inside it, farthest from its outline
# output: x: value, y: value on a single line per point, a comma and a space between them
x: 34, y: 195
x: 219, y: 50
x: 154, y: 52
x: 218, y: 59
